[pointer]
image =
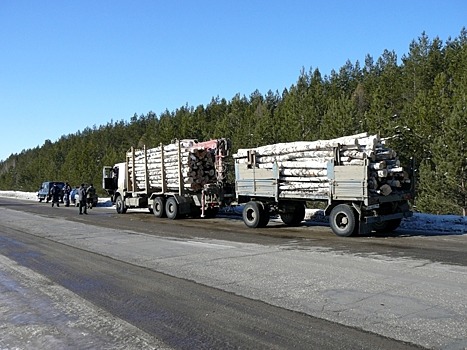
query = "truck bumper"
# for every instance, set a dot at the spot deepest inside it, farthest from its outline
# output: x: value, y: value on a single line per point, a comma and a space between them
x: 381, y: 218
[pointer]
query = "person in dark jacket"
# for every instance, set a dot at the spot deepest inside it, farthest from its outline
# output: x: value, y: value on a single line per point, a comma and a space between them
x: 66, y: 194
x: 82, y: 199
x: 90, y: 193
x: 55, y: 191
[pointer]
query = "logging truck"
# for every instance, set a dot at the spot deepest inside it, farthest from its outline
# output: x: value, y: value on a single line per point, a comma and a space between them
x: 184, y: 178
x: 359, y: 179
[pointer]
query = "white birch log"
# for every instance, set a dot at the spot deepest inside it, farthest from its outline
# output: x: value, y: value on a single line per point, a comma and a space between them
x: 382, y: 173
x: 357, y: 154
x: 304, y: 172
x: 385, y: 190
x: 305, y: 193
x: 370, y: 141
x: 301, y: 146
x: 303, y: 165
x: 378, y: 165
x: 386, y: 154
x: 395, y: 170
x: 291, y: 156
x: 292, y: 186
x: 295, y: 165
x: 354, y: 162
x: 304, y: 179
x: 195, y: 163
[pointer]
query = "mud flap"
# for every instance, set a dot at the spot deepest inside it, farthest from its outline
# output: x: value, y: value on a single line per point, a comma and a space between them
x: 363, y: 228
x: 184, y: 204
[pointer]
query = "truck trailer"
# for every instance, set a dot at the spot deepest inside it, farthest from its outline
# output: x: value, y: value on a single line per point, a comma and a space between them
x: 359, y: 179
x: 184, y: 178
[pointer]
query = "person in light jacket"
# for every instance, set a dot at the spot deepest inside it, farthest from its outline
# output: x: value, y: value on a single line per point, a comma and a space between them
x: 82, y: 199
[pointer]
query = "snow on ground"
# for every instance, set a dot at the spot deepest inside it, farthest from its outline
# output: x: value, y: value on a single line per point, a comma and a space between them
x: 436, y: 224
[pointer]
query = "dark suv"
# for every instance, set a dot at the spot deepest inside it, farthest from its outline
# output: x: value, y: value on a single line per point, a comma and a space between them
x: 46, y: 188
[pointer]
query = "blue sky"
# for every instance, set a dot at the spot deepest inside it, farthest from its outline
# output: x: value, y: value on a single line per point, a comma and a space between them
x: 67, y: 65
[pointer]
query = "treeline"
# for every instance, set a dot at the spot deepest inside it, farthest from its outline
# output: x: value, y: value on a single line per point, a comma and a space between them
x: 422, y: 101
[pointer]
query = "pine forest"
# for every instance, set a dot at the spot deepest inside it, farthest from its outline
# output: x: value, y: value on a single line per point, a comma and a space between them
x: 419, y: 101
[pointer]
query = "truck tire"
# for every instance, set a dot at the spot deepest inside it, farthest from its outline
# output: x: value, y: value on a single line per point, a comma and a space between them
x: 342, y: 220
x: 387, y: 226
x: 254, y: 215
x: 158, y: 207
x: 120, y: 205
x: 211, y: 213
x: 393, y: 224
x: 295, y: 217
x: 171, y: 208
x: 264, y: 215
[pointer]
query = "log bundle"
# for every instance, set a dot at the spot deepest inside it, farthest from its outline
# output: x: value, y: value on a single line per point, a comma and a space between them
x: 303, y: 165
x: 190, y: 165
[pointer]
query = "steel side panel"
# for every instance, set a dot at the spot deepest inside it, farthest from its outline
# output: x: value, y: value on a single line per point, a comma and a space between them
x: 255, y: 182
x: 258, y: 188
x: 350, y: 182
x: 245, y: 173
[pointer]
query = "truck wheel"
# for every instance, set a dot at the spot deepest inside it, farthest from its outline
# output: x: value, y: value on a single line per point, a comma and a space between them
x: 171, y: 208
x: 254, y: 215
x: 393, y: 224
x: 387, y: 226
x: 211, y: 213
x: 295, y: 217
x: 342, y: 220
x: 379, y: 226
x: 158, y: 207
x: 120, y: 205
x: 264, y: 216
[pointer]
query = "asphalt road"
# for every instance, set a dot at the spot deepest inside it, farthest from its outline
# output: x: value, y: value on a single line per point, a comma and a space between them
x: 215, y: 284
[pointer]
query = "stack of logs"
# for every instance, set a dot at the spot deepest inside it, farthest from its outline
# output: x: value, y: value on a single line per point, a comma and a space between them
x: 197, y: 165
x: 303, y: 165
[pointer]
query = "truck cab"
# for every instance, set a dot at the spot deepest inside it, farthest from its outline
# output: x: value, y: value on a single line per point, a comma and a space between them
x: 113, y: 180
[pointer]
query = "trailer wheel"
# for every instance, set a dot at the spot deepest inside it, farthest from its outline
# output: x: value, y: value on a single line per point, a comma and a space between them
x: 158, y: 207
x: 120, y: 205
x: 342, y: 220
x: 254, y: 215
x: 171, y: 208
x: 295, y: 217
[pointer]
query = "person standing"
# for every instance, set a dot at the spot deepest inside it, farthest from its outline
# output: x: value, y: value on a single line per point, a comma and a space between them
x: 55, y: 191
x: 90, y: 193
x: 66, y: 194
x: 82, y: 199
